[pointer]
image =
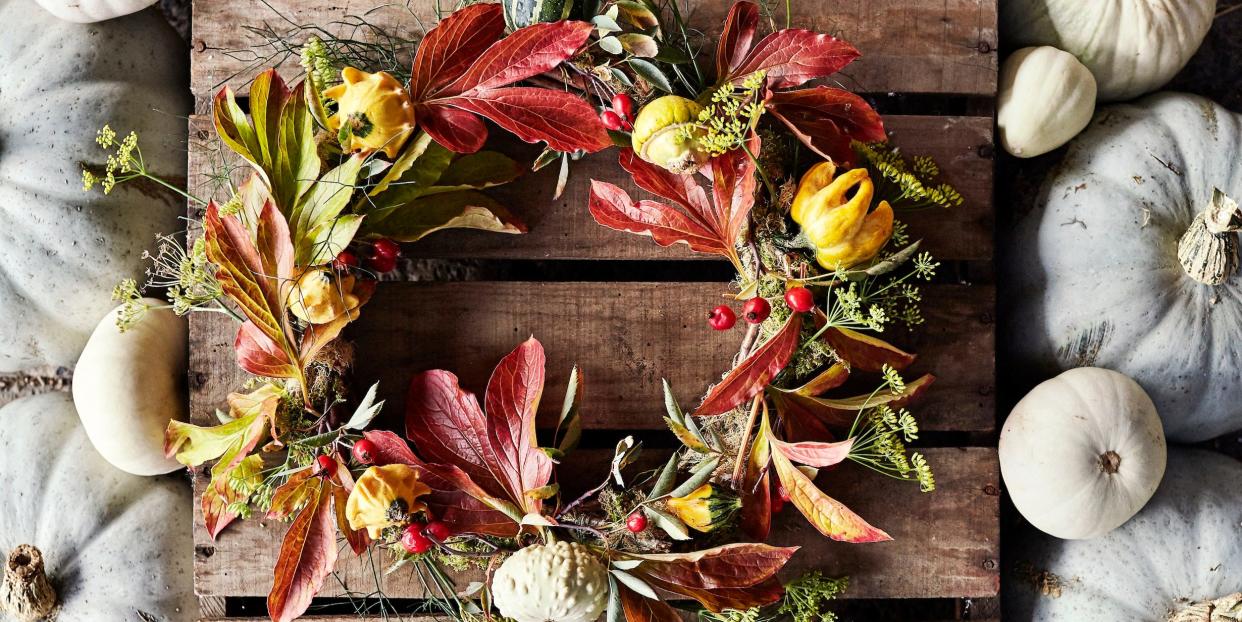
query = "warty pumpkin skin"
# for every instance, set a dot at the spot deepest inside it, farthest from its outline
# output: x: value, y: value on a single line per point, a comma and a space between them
x: 116, y: 546
x: 1185, y: 546
x: 1093, y: 274
x: 65, y: 249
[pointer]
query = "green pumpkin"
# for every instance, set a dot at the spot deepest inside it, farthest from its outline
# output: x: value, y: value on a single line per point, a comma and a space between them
x: 523, y: 13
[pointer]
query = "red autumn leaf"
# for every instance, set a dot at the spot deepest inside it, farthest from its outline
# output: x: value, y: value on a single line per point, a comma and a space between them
x: 799, y: 417
x: 739, y: 32
x: 639, y: 608
x: 827, y: 119
x: 259, y: 355
x: 793, y: 56
x: 463, y: 68
x: 815, y: 454
x: 307, y: 557
x: 453, y: 45
x: 704, y: 226
x: 752, y: 375
x: 358, y: 539
x: 829, y: 516
x: 448, y: 500
x: 216, y: 514
x: 733, y: 576
x: 292, y: 495
x: 864, y: 352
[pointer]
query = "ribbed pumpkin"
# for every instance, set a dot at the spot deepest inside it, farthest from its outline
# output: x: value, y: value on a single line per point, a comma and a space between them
x: 115, y: 546
x: 1181, y: 553
x: 1093, y: 271
x: 64, y: 249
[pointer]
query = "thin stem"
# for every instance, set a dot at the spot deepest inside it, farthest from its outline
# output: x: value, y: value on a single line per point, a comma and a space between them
x: 744, y: 448
x: 762, y: 174
x: 172, y: 187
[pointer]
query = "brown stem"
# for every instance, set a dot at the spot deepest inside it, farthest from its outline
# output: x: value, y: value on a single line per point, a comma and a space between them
x: 743, y: 449
x: 748, y: 341
x: 1208, y: 251
x: 1224, y: 609
x: 1110, y: 462
x: 26, y: 593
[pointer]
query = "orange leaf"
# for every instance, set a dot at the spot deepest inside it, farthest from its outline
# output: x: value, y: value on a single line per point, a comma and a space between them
x: 752, y: 375
x: 307, y: 557
x: 864, y: 352
x: 756, y: 491
x: 827, y: 380
x: 639, y: 608
x: 829, y: 516
x: 292, y: 495
x: 733, y: 576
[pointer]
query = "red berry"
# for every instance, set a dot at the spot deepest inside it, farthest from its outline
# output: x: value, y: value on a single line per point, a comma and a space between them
x: 636, y: 522
x: 624, y: 105
x: 778, y: 504
x: 364, y: 452
x: 721, y: 318
x: 345, y: 260
x: 387, y: 248
x: 382, y: 263
x: 781, y: 493
x: 325, y: 466
x: 611, y: 120
x: 438, y: 530
x: 413, y: 540
x: 756, y: 310
x: 799, y: 299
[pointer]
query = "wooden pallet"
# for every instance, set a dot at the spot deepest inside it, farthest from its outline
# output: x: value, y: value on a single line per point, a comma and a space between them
x: 628, y: 335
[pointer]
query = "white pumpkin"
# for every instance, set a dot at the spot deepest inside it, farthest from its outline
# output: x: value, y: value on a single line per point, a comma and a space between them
x: 1093, y: 272
x: 1184, y: 548
x: 1132, y: 46
x: 115, y: 546
x: 87, y: 11
x: 65, y: 249
x: 564, y: 581
x: 128, y: 386
x: 1046, y: 97
x: 1082, y: 453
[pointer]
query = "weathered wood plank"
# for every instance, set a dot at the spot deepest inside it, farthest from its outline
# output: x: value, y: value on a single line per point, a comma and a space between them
x: 907, y: 46
x: 625, y: 337
x: 956, y: 555
x: 563, y: 228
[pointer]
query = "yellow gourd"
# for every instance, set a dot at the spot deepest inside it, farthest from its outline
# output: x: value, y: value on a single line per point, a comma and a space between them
x: 842, y: 230
x: 705, y: 509
x: 385, y: 496
x: 374, y: 112
x: 320, y: 295
x: 664, y: 134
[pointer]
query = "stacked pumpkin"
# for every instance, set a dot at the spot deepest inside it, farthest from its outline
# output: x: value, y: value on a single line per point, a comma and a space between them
x: 70, y: 513
x: 1124, y: 279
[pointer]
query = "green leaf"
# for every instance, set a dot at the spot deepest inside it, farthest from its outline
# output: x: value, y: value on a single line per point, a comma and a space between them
x: 698, y: 477
x: 605, y: 24
x: 670, y: 403
x: 622, y: 77
x: 464, y: 209
x: 639, y: 15
x: 668, y: 476
x: 634, y: 583
x: 651, y: 74
x: 615, y: 613
x: 367, y: 409
x: 627, y: 450
x: 410, y: 154
x: 639, y: 44
x: 479, y: 170
x: 687, y: 437
x: 668, y: 523
x: 672, y: 55
x: 327, y: 240
x: 318, y: 235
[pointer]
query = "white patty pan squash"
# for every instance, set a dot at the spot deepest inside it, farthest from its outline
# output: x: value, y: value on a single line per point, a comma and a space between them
x: 564, y: 581
x: 1094, y: 274
x: 128, y: 386
x: 1132, y: 46
x: 1179, y: 560
x: 65, y: 249
x: 1045, y: 98
x: 88, y: 11
x: 1082, y: 453
x: 115, y: 546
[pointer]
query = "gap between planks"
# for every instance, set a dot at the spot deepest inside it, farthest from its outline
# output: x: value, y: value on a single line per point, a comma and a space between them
x: 907, y: 46
x: 958, y: 558
x: 627, y: 337
x: 564, y: 229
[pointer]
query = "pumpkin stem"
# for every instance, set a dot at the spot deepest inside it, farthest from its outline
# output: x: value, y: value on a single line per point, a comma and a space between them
x: 1223, y: 609
x: 1208, y: 251
x: 26, y: 593
x: 1110, y: 462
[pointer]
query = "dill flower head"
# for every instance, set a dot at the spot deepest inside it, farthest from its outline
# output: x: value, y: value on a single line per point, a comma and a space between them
x: 906, y: 185
x: 124, y: 164
x: 733, y: 113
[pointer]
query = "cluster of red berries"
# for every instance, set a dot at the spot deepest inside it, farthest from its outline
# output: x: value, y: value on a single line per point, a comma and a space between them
x: 621, y: 115
x: 383, y: 257
x: 420, y: 537
x: 758, y: 309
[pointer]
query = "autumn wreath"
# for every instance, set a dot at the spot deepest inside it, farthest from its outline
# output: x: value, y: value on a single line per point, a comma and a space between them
x: 793, y: 184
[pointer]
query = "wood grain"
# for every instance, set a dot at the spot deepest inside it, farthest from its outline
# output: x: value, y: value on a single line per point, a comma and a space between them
x: 625, y: 337
x: 957, y: 556
x: 563, y: 228
x: 907, y: 46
